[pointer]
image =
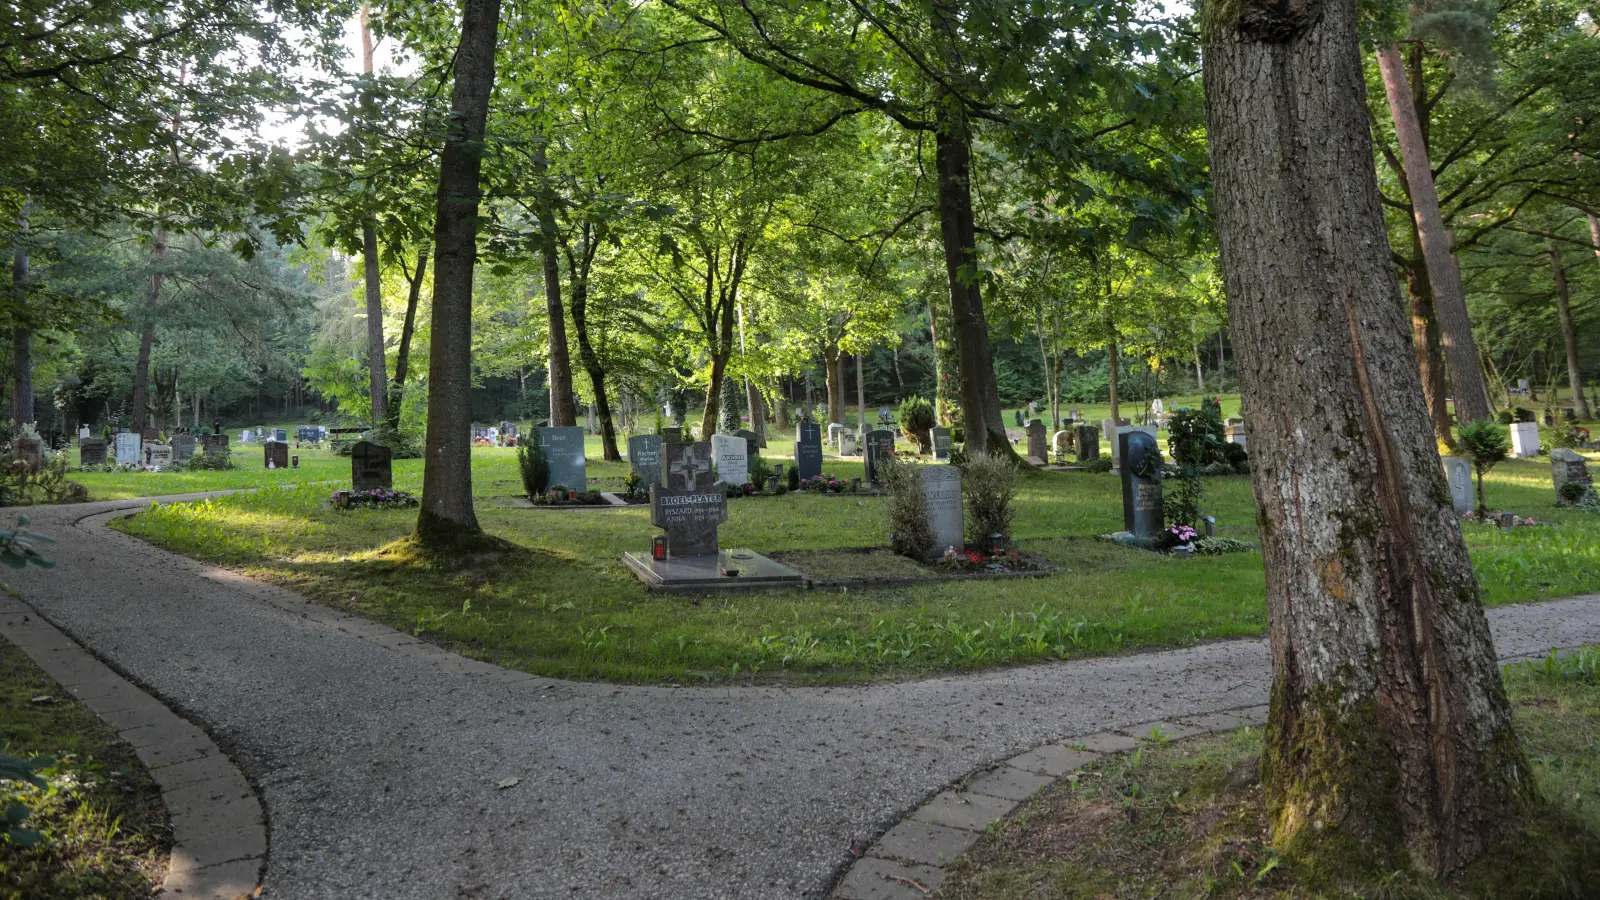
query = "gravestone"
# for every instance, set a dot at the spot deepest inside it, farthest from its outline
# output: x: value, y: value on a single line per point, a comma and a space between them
x: 1157, y: 408
x: 1141, y: 483
x: 307, y: 434
x: 1088, y: 443
x: 275, y: 454
x: 150, y: 434
x: 1038, y: 450
x: 753, y: 440
x: 1567, y: 467
x: 835, y: 434
x: 31, y: 451
x: 183, y: 448
x: 1458, y: 472
x: 247, y: 436
x: 880, y: 446
x: 847, y: 444
x: 214, y: 443
x: 91, y: 452
x: 1524, y: 440
x: 808, y: 450
x: 281, y: 435
x: 128, y: 449
x: 1235, y: 433
x: 672, y: 435
x: 563, y: 447
x: 942, y: 443
x: 1116, y: 443
x: 371, y: 466
x: 1061, y: 444
x: 158, y: 455
x: 644, y: 458
x: 692, y: 504
x: 732, y: 454
x: 941, y: 487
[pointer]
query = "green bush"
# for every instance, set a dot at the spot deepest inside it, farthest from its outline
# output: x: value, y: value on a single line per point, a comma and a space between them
x: 917, y: 420
x: 401, y: 445
x: 794, y: 478
x: 1506, y: 417
x: 534, y: 468
x: 1487, y: 444
x: 220, y: 461
x: 910, y: 531
x: 1103, y: 464
x: 729, y: 405
x: 988, y: 487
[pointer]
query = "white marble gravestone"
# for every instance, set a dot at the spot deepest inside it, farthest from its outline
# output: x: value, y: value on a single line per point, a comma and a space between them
x: 732, y: 456
x: 1524, y: 440
x: 1458, y: 472
x: 941, y: 487
x: 128, y: 449
x: 835, y: 432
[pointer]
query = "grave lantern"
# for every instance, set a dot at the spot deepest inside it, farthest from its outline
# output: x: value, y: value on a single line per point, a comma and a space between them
x: 658, y: 547
x: 997, y: 544
x: 294, y: 461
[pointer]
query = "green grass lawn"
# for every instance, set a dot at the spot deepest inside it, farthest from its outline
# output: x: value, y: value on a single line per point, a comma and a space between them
x: 1185, y: 819
x: 563, y: 604
x: 106, y: 832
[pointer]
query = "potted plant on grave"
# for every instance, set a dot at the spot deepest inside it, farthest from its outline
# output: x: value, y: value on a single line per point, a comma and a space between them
x: 534, y: 468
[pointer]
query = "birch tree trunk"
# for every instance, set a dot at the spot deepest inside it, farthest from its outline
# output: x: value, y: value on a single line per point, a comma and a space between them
x: 1389, y: 729
x: 447, y: 512
x: 1569, y: 333
x: 1450, y: 303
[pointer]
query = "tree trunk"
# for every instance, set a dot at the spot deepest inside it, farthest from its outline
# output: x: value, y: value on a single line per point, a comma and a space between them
x: 1111, y: 369
x: 1199, y: 370
x: 377, y: 368
x: 21, y: 335
x: 1450, y: 304
x: 834, y: 374
x: 1389, y: 728
x: 578, y: 268
x: 1425, y: 344
x: 147, y: 337
x: 402, y: 353
x: 861, y: 404
x: 1569, y: 333
x: 447, y: 512
x: 941, y: 395
x: 752, y: 394
x: 563, y: 407
x: 980, y: 398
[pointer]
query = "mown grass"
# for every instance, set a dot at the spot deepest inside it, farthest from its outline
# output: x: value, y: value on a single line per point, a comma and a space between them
x: 563, y: 604
x: 106, y: 833
x: 1185, y: 820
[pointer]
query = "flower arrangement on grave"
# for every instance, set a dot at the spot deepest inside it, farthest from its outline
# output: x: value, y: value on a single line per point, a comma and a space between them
x: 967, y: 561
x: 633, y: 487
x: 376, y: 498
x: 1504, y: 519
x: 1176, y: 537
x: 823, y: 484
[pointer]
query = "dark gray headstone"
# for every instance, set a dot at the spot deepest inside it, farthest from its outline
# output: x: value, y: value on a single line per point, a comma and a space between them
x: 942, y: 443
x: 31, y: 451
x: 880, y: 446
x: 183, y: 448
x: 150, y: 434
x: 1567, y: 467
x: 690, y: 506
x: 91, y: 452
x: 275, y: 454
x: 644, y: 457
x: 1037, y: 447
x: 308, y: 434
x: 808, y: 450
x: 214, y: 443
x: 563, y: 446
x: 941, y: 487
x: 1088, y: 443
x: 281, y: 435
x: 1141, y: 483
x: 754, y: 442
x: 371, y: 466
x: 673, y: 435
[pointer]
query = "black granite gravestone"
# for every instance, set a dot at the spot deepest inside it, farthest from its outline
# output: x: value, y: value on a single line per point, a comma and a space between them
x: 644, y: 458
x: 1038, y: 449
x: 275, y: 455
x: 808, y: 450
x: 942, y: 443
x: 371, y: 466
x: 183, y: 448
x: 691, y: 505
x: 1141, y: 483
x: 880, y: 446
x: 1088, y: 443
x: 91, y: 452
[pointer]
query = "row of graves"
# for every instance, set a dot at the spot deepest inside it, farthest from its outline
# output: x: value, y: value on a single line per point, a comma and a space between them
x: 146, y: 450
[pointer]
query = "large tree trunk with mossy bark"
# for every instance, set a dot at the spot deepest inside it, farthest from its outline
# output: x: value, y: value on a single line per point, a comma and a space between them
x: 1389, y: 730
x: 1425, y: 344
x: 447, y: 514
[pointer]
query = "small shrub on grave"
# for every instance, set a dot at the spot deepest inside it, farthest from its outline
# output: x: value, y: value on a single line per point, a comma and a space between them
x: 1236, y: 458
x: 1487, y: 444
x: 207, y: 462
x: 1101, y: 465
x: 760, y: 469
x: 910, y: 531
x: 1568, y: 435
x: 794, y: 478
x: 1506, y: 417
x: 823, y: 484
x: 1524, y: 414
x: 1216, y: 546
x: 917, y: 420
x: 401, y: 445
x: 634, y: 488
x: 988, y: 488
x: 534, y: 467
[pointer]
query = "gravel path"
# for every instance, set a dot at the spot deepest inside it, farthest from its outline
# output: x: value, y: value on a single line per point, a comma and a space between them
x: 378, y: 758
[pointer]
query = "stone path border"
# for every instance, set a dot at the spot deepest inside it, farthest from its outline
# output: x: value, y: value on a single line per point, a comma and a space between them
x: 218, y: 828
x: 909, y: 861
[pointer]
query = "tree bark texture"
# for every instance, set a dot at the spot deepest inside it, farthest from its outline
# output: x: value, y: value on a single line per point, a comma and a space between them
x: 861, y: 405
x: 980, y: 397
x: 1111, y: 369
x: 578, y: 266
x: 147, y: 337
x: 377, y: 367
x: 833, y: 365
x: 447, y: 511
x: 1389, y: 729
x: 1425, y: 343
x: 1450, y: 302
x: 1569, y: 332
x: 408, y: 330
x: 21, y: 334
x: 563, y: 408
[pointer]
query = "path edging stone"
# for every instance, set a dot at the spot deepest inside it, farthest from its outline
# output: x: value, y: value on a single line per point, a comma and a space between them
x: 909, y: 861
x: 218, y: 828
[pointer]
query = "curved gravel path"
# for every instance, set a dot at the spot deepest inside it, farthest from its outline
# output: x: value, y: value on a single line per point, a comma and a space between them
x: 378, y: 757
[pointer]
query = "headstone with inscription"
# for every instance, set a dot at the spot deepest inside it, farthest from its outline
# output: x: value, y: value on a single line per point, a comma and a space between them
x: 183, y: 448
x: 150, y: 434
x: 275, y: 454
x: 835, y: 434
x: 1458, y: 472
x: 644, y: 458
x: 1524, y: 440
x: 371, y: 466
x: 214, y: 443
x: 1038, y: 450
x: 1141, y: 483
x: 847, y: 444
x: 281, y: 435
x: 692, y: 503
x: 880, y: 446
x: 808, y: 450
x: 942, y: 444
x: 31, y: 451
x: 91, y: 452
x: 1568, y: 467
x: 941, y: 487
x: 563, y: 447
x: 158, y: 455
x: 753, y: 441
x: 672, y: 434
x: 128, y: 449
x: 1088, y: 443
x: 732, y: 455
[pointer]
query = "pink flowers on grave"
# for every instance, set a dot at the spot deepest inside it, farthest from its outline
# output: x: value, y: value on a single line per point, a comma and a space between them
x: 1182, y: 534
